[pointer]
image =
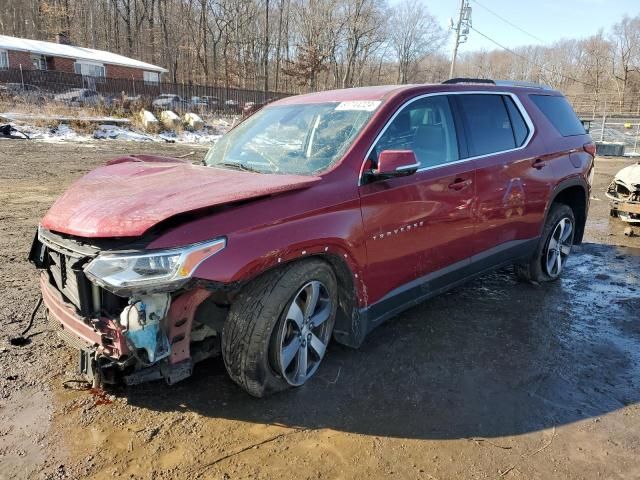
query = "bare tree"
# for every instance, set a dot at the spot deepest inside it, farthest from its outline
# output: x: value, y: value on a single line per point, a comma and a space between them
x: 363, y: 33
x: 315, y: 40
x: 415, y: 34
x: 300, y: 45
x: 596, y: 62
x: 625, y: 36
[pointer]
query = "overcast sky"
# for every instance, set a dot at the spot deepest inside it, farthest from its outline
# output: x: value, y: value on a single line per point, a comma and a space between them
x: 550, y: 20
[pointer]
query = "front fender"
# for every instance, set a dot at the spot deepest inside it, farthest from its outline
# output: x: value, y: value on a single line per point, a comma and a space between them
x: 251, y: 253
x: 324, y: 220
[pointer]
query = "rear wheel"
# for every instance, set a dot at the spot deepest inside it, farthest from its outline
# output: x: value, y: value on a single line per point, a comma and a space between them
x: 279, y: 326
x: 554, y: 248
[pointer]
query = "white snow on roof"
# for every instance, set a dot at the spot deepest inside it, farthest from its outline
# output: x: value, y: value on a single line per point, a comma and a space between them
x: 71, y: 51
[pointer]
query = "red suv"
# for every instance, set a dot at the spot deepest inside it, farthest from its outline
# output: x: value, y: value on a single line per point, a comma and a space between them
x: 319, y: 217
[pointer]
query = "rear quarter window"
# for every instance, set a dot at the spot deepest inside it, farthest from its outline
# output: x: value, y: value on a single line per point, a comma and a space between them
x: 560, y: 114
x: 488, y: 123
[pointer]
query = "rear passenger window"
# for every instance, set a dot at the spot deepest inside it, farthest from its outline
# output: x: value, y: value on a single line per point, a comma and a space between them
x: 520, y: 129
x: 488, y: 124
x: 426, y: 127
x: 560, y: 114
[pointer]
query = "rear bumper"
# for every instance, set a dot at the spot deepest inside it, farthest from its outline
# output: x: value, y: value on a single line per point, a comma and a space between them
x: 100, y: 334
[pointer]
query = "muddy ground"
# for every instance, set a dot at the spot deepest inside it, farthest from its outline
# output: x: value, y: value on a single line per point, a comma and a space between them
x: 495, y: 379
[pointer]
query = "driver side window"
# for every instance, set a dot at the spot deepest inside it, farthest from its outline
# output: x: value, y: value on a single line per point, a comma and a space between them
x: 426, y: 127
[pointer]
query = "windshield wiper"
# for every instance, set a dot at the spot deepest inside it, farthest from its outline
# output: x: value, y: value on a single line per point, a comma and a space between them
x: 237, y: 166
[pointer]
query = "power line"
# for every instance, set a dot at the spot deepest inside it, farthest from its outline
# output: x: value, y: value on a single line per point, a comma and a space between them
x: 509, y: 22
x: 542, y: 67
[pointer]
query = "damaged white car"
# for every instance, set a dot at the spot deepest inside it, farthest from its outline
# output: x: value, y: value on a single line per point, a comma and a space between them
x: 624, y: 193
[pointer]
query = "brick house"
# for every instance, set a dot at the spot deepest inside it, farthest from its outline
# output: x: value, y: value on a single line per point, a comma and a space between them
x: 26, y: 54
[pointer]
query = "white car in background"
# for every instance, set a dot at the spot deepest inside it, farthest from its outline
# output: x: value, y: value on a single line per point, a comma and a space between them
x: 79, y: 96
x: 169, y: 101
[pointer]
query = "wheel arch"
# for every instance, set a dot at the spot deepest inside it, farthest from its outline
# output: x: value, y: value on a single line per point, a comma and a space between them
x: 347, y: 328
x: 573, y: 193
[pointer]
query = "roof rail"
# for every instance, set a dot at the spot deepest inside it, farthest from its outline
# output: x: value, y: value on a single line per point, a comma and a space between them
x: 500, y: 83
x: 519, y: 83
x: 453, y: 81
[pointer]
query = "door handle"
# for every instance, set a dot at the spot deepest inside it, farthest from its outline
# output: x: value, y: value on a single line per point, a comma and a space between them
x: 460, y: 184
x: 538, y: 164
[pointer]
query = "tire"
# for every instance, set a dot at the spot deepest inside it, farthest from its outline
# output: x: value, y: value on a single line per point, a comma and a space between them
x: 259, y: 327
x: 537, y: 269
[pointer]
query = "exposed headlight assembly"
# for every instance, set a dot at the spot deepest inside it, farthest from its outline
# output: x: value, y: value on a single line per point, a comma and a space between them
x: 157, y: 270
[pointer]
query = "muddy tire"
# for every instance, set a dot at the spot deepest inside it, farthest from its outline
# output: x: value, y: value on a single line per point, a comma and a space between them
x: 554, y: 247
x: 264, y: 327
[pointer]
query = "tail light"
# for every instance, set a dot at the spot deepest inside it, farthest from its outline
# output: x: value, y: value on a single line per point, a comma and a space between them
x: 590, y: 148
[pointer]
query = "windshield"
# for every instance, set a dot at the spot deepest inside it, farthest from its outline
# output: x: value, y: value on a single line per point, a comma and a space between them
x: 292, y: 139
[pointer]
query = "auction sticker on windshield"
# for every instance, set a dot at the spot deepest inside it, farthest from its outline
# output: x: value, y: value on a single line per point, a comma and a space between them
x: 358, y: 105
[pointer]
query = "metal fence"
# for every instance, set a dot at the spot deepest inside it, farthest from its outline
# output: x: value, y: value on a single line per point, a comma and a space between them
x: 591, y: 106
x: 39, y: 85
x: 612, y: 118
x: 622, y: 130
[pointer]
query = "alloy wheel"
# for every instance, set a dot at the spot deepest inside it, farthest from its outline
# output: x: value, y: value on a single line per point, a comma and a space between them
x: 558, y: 247
x: 304, y: 333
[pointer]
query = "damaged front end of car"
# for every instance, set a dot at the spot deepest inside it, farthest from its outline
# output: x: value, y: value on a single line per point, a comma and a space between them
x: 135, y: 315
x: 624, y: 193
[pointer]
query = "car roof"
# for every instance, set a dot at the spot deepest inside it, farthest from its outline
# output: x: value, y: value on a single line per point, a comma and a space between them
x: 345, y: 94
x: 384, y: 92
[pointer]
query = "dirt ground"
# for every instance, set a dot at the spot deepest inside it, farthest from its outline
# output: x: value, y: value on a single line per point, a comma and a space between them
x: 495, y: 379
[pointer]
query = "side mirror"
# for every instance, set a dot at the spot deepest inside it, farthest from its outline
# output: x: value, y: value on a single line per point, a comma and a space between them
x: 396, y: 163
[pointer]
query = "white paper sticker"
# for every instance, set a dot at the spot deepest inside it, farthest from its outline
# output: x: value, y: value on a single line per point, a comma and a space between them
x: 358, y: 105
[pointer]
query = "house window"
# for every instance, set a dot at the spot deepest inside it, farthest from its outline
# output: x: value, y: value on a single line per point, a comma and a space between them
x: 152, y: 78
x: 90, y: 69
x: 39, y: 62
x: 4, y: 59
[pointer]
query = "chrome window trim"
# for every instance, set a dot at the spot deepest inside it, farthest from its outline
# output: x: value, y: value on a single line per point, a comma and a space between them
x: 408, y: 167
x: 514, y: 97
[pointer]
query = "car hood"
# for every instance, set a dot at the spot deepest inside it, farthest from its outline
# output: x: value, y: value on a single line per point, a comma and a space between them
x: 129, y: 195
x: 629, y: 176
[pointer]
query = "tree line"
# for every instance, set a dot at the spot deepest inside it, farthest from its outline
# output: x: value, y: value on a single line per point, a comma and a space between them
x: 302, y: 45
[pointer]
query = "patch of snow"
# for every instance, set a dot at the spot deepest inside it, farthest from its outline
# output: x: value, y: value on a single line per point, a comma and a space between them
x: 200, y: 137
x: 64, y: 133
x: 60, y: 133
x: 114, y: 132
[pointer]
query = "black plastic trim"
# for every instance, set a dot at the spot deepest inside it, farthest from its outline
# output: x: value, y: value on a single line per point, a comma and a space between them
x: 437, y: 282
x: 558, y: 189
x: 457, y: 80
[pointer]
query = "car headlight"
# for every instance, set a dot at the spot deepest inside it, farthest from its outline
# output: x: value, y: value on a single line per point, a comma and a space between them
x: 151, y: 270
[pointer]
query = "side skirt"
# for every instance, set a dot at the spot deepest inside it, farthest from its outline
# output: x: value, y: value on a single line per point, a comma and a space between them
x: 432, y: 284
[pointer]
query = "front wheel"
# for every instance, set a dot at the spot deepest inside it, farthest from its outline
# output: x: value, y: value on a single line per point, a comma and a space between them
x: 554, y: 248
x: 279, y: 326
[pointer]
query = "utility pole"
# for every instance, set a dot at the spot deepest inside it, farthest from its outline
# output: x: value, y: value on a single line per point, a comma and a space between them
x: 462, y: 31
x: 92, y: 15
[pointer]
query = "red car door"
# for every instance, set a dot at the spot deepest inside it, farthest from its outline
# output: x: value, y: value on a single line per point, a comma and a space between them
x: 512, y: 181
x: 418, y: 224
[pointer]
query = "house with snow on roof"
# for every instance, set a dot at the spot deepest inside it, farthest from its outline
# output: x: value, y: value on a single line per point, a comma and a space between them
x: 26, y: 54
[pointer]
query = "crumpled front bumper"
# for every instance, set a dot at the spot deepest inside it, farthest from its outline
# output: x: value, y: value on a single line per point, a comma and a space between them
x: 100, y: 334
x: 625, y: 201
x: 103, y: 338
